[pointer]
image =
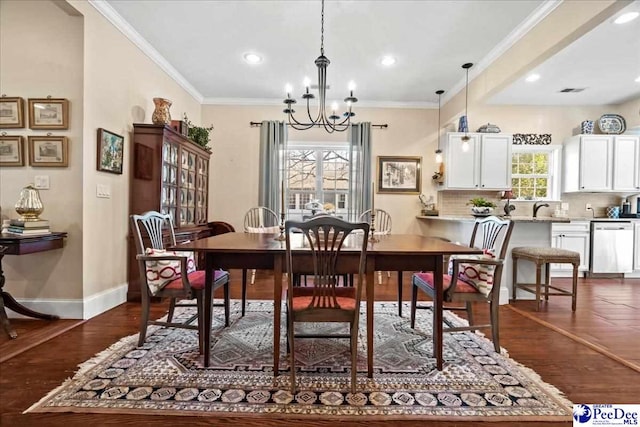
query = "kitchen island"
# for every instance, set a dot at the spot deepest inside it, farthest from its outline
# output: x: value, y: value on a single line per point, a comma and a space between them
x: 527, y: 231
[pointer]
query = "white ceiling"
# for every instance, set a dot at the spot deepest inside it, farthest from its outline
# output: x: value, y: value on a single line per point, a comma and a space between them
x: 201, y: 43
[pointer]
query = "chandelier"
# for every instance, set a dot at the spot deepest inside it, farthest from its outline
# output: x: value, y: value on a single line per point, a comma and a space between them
x: 331, y: 123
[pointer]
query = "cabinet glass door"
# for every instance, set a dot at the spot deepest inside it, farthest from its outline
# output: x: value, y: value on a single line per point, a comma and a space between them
x: 169, y: 187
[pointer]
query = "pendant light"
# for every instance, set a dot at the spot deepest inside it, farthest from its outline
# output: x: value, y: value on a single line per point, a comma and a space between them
x: 439, y: 151
x: 465, y: 138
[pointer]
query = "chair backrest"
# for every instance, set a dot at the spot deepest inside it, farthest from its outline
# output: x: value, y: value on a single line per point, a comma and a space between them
x: 326, y: 237
x: 492, y: 234
x: 382, y: 220
x: 260, y: 217
x: 149, y: 230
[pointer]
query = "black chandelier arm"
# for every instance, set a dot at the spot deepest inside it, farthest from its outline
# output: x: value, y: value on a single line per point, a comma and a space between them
x: 378, y: 126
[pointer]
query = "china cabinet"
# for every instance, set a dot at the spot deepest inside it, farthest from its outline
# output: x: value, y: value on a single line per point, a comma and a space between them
x: 484, y: 165
x: 170, y: 175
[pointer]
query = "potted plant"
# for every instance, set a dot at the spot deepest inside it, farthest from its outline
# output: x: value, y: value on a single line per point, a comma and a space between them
x: 481, y: 206
x: 198, y: 134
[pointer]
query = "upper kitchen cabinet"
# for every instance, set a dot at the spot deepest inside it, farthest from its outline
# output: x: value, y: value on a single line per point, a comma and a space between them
x: 601, y: 163
x: 486, y: 165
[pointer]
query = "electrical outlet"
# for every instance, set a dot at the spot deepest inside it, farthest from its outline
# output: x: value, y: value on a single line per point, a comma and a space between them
x: 587, y: 206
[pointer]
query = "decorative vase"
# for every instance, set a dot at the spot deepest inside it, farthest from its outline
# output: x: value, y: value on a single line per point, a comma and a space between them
x: 161, y: 115
x: 29, y: 205
x: 586, y: 127
x: 463, y: 126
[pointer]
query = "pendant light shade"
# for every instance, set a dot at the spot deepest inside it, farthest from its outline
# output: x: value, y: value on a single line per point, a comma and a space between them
x: 465, y: 138
x: 439, y: 151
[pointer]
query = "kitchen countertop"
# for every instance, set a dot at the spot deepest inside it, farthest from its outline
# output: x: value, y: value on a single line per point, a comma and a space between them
x: 545, y: 219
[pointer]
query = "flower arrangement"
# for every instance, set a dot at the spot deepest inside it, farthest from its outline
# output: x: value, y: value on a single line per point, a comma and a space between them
x: 481, y: 206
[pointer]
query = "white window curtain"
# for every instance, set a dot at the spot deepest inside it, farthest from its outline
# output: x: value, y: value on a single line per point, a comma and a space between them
x: 273, y: 145
x: 360, y: 162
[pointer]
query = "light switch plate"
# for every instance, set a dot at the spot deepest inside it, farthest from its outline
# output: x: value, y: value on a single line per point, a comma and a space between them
x: 41, y: 182
x: 103, y: 191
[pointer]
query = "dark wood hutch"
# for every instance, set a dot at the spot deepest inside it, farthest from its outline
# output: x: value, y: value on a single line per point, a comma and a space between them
x: 170, y: 174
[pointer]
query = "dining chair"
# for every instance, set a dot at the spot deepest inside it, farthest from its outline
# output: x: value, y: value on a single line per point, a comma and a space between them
x: 472, y: 278
x: 170, y: 274
x: 383, y: 226
x: 324, y: 301
x: 258, y: 220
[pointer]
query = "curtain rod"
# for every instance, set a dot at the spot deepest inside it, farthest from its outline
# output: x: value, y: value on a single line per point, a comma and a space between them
x: 258, y: 124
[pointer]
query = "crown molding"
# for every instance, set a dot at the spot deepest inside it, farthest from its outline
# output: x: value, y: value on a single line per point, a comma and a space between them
x: 278, y: 102
x: 514, y: 36
x: 125, y: 28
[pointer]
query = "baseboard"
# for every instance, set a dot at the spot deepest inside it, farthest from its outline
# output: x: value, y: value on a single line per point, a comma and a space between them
x: 504, y: 296
x: 75, y: 308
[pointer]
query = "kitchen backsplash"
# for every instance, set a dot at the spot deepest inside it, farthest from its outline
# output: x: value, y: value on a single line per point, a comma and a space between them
x: 455, y: 203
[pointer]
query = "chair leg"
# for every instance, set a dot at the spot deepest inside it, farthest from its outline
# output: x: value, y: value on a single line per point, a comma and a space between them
x: 144, y: 319
x: 200, y: 308
x: 172, y: 309
x: 354, y: 357
x: 226, y: 304
x: 400, y: 293
x: 253, y: 276
x: 292, y: 356
x: 244, y: 290
x: 414, y: 301
x: 469, y: 306
x: 514, y: 279
x: 547, y: 281
x: 538, y: 280
x: 574, y: 287
x: 495, y: 326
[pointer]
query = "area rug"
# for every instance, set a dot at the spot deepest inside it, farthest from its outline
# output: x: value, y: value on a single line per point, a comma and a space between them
x: 166, y: 375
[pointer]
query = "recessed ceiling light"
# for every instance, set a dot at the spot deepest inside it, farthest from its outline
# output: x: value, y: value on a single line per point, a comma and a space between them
x: 626, y: 17
x: 388, y: 61
x: 252, y: 58
x: 637, y: 79
x: 532, y: 78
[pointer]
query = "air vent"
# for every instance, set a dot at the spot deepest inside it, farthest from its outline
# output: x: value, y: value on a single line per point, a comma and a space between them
x: 572, y: 90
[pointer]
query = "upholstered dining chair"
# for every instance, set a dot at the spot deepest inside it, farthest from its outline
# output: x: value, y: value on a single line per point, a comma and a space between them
x: 258, y: 220
x: 170, y: 274
x: 324, y: 301
x: 472, y: 278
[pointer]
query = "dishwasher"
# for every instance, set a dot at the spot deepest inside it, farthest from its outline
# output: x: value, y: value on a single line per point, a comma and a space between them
x: 611, y: 247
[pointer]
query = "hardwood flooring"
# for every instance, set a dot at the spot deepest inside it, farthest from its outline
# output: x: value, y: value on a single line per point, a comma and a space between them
x: 608, y: 317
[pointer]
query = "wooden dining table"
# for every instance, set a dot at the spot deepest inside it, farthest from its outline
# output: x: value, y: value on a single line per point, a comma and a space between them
x: 391, y: 252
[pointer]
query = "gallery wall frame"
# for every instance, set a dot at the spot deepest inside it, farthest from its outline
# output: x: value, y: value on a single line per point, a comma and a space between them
x: 11, y: 112
x: 399, y: 174
x: 11, y: 150
x: 48, y: 151
x: 110, y: 151
x: 48, y: 113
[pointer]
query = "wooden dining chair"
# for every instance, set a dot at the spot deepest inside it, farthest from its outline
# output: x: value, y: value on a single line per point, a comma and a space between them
x: 324, y: 301
x: 472, y: 278
x: 170, y: 274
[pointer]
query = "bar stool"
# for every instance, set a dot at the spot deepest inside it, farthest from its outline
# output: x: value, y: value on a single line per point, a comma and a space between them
x: 545, y: 256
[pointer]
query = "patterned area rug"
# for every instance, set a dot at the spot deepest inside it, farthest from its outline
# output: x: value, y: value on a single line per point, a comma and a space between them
x: 166, y: 375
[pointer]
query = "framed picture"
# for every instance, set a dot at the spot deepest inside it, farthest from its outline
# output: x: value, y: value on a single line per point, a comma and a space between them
x: 110, y: 151
x: 48, y: 151
x: 11, y: 113
x: 48, y: 113
x: 11, y: 152
x: 400, y: 174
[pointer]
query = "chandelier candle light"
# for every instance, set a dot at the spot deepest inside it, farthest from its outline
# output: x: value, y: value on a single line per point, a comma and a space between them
x: 329, y: 123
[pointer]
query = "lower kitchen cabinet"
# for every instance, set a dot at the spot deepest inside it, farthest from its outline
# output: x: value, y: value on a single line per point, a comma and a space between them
x: 636, y: 246
x: 573, y: 237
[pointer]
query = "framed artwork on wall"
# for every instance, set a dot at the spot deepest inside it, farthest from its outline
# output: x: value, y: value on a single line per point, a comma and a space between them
x: 399, y: 174
x: 110, y: 151
x: 11, y: 151
x: 11, y: 112
x: 47, y: 151
x: 48, y: 113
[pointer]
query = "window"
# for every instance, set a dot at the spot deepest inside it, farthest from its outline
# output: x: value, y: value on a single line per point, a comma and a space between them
x: 535, y: 172
x: 317, y: 172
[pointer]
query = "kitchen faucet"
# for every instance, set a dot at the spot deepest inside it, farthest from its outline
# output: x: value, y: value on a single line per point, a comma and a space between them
x: 538, y: 205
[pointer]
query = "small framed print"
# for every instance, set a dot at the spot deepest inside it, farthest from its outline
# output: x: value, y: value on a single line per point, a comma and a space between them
x: 110, y: 151
x: 47, y: 151
x: 11, y: 112
x: 11, y: 151
x: 399, y: 175
x: 48, y: 113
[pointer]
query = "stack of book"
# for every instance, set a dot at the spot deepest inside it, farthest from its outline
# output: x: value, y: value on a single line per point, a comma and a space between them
x: 29, y: 228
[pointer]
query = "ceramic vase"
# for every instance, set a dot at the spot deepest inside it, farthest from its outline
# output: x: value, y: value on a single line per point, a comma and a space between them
x: 161, y: 115
x: 587, y: 127
x: 463, y: 126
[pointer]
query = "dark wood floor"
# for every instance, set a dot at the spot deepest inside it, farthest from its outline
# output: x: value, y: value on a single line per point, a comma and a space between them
x: 593, y: 355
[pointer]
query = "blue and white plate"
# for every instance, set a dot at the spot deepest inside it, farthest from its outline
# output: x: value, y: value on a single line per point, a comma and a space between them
x: 612, y: 123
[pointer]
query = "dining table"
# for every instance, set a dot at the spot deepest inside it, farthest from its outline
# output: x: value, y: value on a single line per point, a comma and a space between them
x: 390, y: 252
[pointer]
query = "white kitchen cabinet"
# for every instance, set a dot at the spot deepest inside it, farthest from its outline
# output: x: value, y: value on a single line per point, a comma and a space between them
x: 626, y: 163
x: 486, y: 165
x: 573, y: 237
x: 636, y: 246
x: 603, y: 163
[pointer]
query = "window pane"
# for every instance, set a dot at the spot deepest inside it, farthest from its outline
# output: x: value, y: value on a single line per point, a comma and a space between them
x: 335, y: 170
x: 302, y: 170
